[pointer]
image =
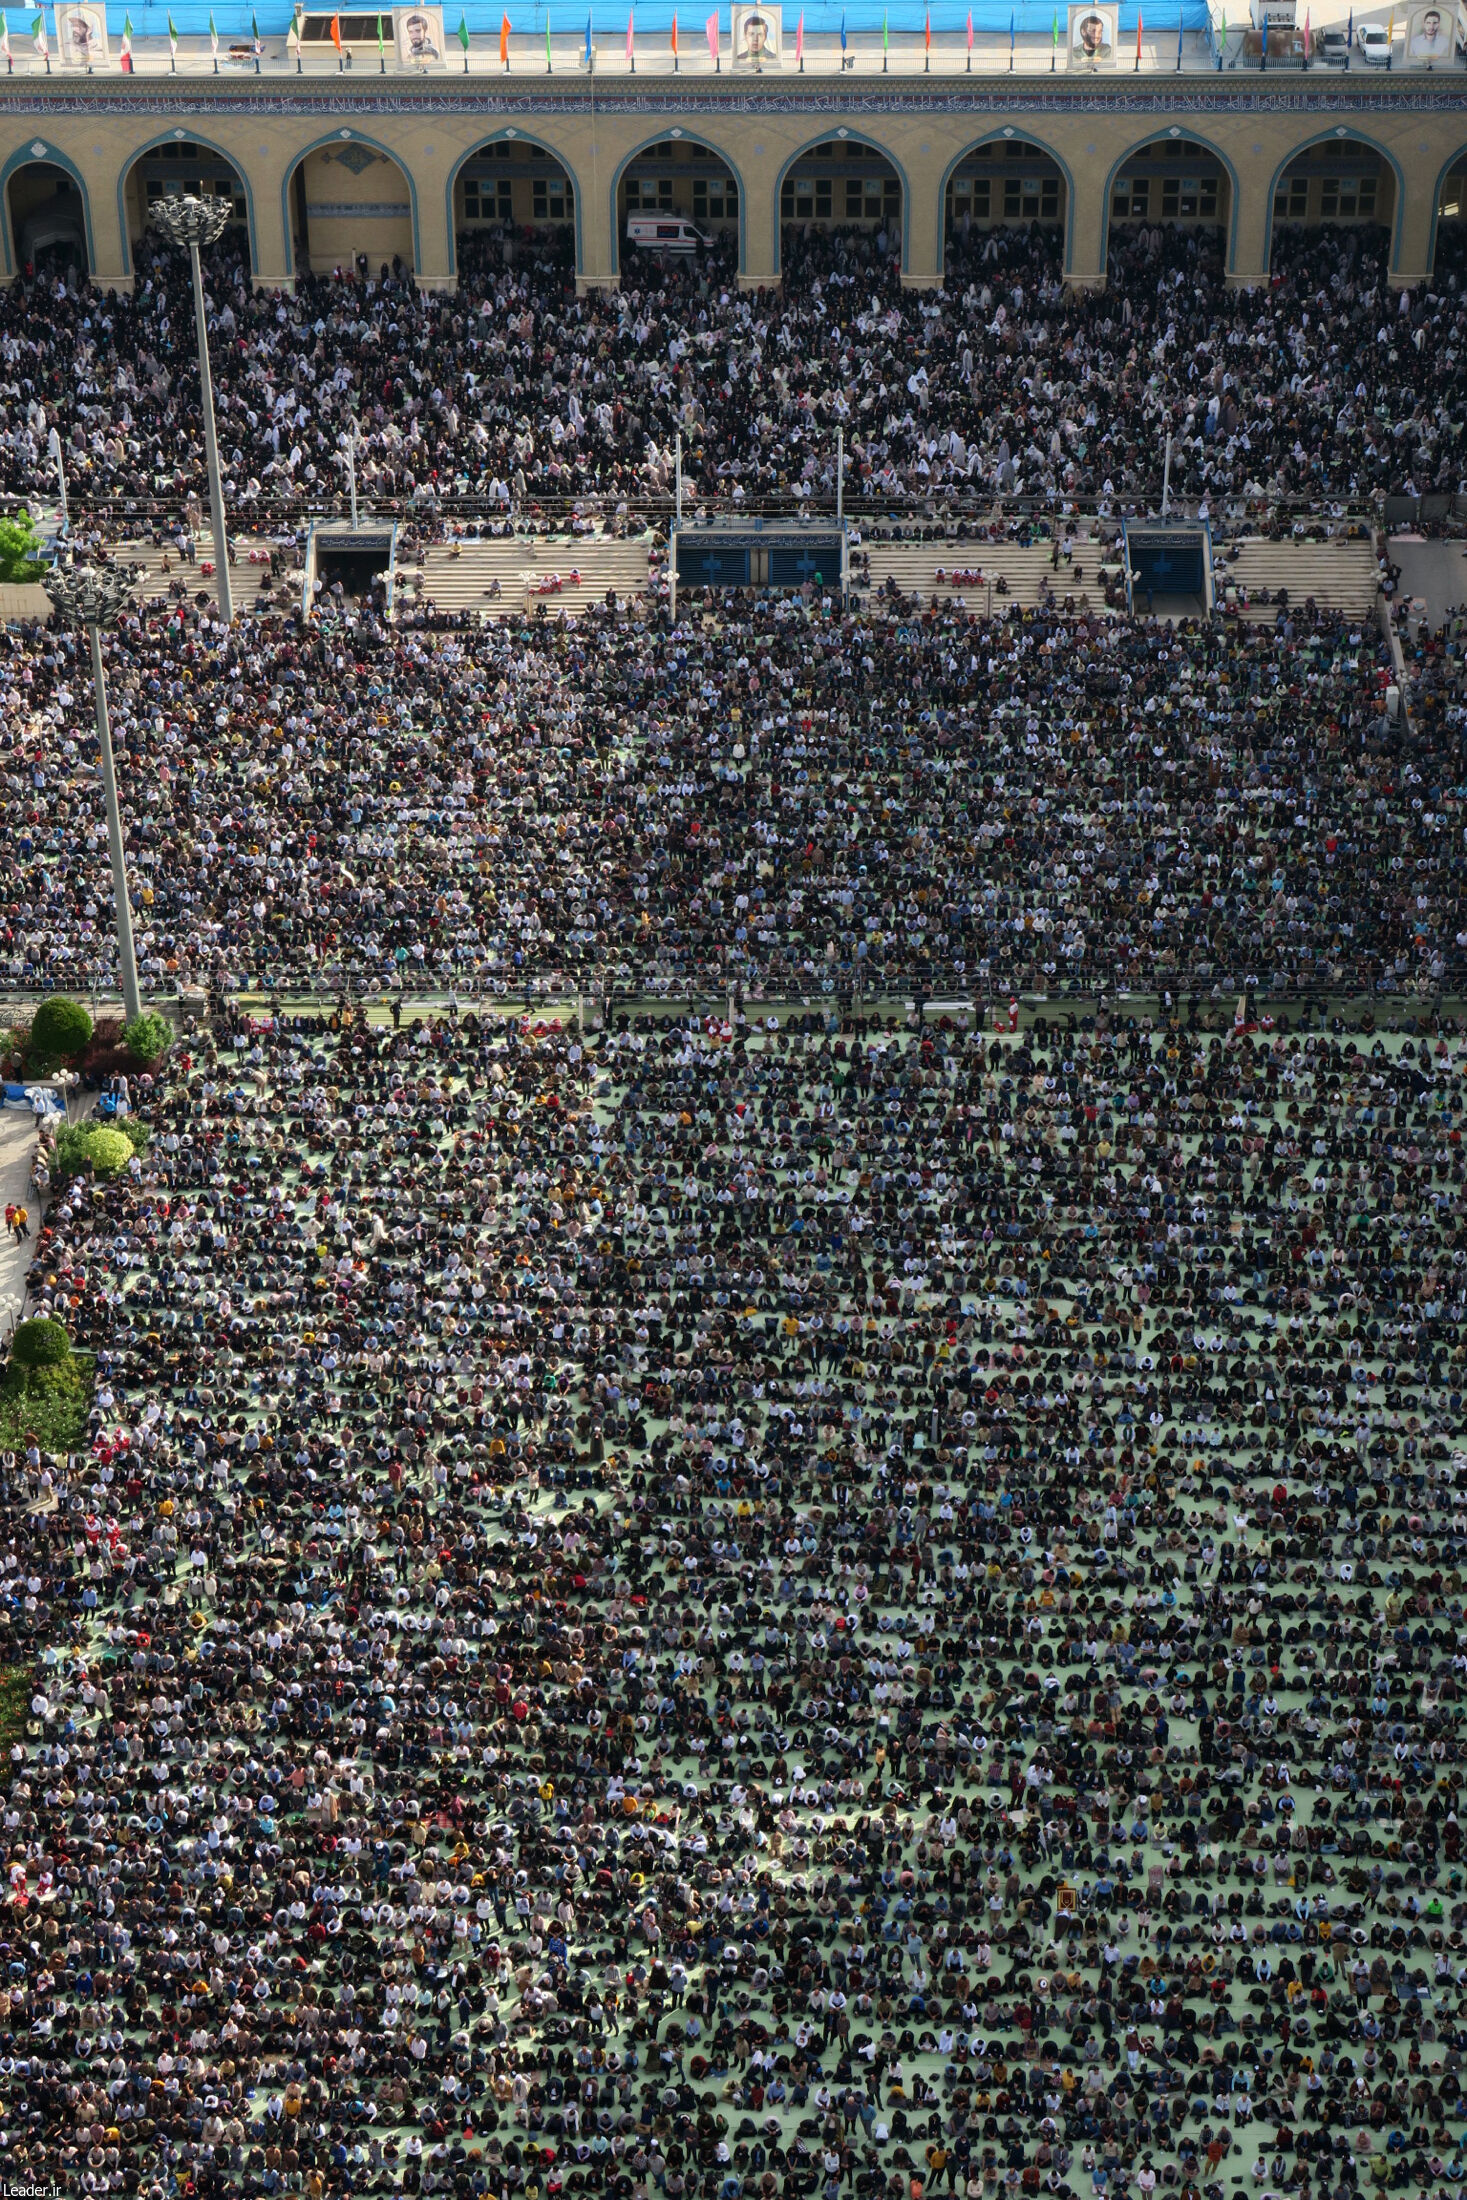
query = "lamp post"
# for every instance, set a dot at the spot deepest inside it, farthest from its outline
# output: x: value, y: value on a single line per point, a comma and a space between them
x: 92, y: 596
x: 58, y: 457
x: 194, y: 222
x: 349, y: 459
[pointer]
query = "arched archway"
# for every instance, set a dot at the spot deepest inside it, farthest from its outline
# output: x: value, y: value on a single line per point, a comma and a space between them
x: 512, y: 182
x: 349, y: 205
x: 1005, y: 182
x: 683, y: 180
x: 1336, y: 180
x: 175, y: 167
x: 843, y: 184
x: 1174, y: 182
x: 1449, y: 217
x: 48, y: 220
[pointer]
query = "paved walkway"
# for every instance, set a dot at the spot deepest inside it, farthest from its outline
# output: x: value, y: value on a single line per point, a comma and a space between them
x: 1434, y: 571
x: 17, y: 1147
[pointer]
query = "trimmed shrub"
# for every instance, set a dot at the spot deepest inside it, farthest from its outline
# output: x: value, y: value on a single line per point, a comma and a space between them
x: 50, y: 1404
x: 148, y: 1037
x: 20, y: 547
x: 107, y: 1150
x: 59, y: 1028
x: 39, y: 1344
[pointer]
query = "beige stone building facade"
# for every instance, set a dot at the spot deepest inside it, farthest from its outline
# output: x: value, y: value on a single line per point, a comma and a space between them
x: 350, y: 171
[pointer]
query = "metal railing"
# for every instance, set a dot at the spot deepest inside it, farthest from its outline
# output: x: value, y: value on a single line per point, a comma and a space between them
x: 968, y: 506
x: 921, y: 989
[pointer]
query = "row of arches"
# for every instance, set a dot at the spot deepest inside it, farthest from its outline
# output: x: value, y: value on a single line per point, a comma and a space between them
x: 352, y: 205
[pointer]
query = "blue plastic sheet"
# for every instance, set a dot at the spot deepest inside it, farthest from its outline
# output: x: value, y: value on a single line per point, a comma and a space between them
x: 863, y: 20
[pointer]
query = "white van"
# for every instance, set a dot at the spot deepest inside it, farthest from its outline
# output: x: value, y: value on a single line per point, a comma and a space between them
x: 664, y: 233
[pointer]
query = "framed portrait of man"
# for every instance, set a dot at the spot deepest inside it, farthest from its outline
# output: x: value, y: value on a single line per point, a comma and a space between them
x: 1094, y: 32
x: 756, y: 35
x: 1431, y: 37
x: 419, y: 33
x: 81, y: 34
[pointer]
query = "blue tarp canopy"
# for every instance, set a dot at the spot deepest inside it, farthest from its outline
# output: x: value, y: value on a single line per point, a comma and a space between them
x: 863, y: 19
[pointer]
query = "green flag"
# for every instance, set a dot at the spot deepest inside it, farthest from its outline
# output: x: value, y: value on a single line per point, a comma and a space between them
x: 381, y: 41
x: 548, y: 63
x: 463, y: 32
x: 172, y: 34
x: 885, y: 40
x: 1054, y: 31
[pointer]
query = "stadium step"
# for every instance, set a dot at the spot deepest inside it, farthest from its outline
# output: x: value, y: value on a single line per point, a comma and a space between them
x: 1340, y: 575
x: 248, y: 574
x: 461, y: 577
x: 927, y: 569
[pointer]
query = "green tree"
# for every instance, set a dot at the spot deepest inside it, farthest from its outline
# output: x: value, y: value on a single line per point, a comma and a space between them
x: 19, y: 544
x: 40, y: 1344
x: 147, y: 1036
x: 60, y: 1028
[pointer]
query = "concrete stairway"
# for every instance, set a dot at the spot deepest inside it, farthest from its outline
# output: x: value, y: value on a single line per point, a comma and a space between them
x: 1339, y: 575
x: 160, y: 567
x: 461, y: 577
x: 914, y: 567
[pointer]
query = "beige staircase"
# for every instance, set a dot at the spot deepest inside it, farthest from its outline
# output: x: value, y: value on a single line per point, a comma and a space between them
x: 1340, y: 576
x: 249, y: 574
x: 915, y: 568
x: 462, y: 577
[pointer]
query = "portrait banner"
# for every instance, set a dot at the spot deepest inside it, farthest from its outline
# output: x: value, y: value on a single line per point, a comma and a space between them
x: 81, y: 33
x: 419, y: 35
x: 756, y: 36
x: 1431, y: 37
x: 1093, y: 36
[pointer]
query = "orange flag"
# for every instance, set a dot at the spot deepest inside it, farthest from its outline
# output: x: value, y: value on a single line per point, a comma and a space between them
x: 504, y: 40
x: 336, y: 32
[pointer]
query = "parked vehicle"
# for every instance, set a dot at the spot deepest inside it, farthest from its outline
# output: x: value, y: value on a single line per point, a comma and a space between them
x: 1373, y: 44
x: 664, y: 233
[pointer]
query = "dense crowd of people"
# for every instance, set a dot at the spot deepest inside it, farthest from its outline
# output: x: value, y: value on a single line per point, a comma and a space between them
x: 792, y: 1607
x: 798, y: 803
x: 1325, y: 389
x: 824, y: 1594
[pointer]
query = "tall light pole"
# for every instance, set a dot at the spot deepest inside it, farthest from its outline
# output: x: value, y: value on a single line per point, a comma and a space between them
x: 349, y: 456
x: 194, y: 222
x: 92, y: 596
x: 58, y: 458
